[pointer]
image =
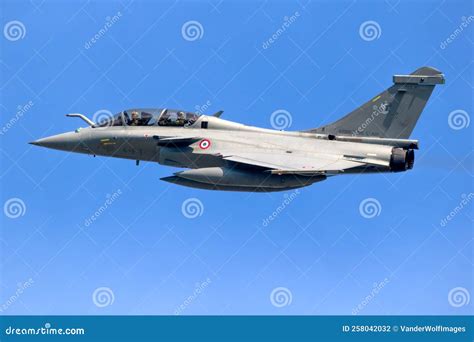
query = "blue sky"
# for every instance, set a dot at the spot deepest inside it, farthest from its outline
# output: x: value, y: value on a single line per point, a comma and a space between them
x: 319, y: 255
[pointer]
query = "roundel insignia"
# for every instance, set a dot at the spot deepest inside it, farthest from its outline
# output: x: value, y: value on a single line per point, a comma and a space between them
x: 204, y: 144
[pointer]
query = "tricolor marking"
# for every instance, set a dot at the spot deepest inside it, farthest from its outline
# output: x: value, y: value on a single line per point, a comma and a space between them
x: 204, y: 144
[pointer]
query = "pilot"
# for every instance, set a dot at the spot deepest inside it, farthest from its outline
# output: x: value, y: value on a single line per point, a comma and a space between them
x: 135, y: 119
x: 181, y: 120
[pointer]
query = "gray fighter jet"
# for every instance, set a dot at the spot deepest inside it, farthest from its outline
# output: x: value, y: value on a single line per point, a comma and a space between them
x: 225, y: 155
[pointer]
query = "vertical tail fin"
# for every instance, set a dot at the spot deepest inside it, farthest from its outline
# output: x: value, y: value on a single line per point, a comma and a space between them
x: 394, y: 112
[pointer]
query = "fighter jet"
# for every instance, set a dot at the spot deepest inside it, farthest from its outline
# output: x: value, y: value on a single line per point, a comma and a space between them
x: 223, y: 155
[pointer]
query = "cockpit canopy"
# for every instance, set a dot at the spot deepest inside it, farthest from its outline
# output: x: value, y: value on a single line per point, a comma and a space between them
x: 150, y: 117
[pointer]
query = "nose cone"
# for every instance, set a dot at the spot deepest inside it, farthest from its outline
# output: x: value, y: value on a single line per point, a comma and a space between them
x: 65, y: 141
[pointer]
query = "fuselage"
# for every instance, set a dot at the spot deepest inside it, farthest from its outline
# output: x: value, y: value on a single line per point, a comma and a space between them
x: 139, y: 143
x: 214, y: 141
